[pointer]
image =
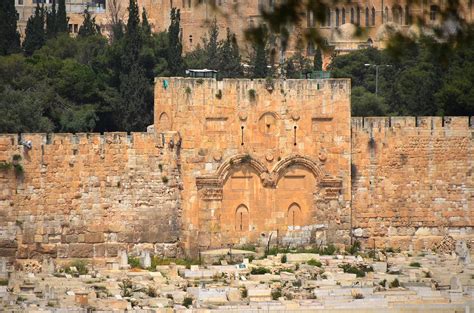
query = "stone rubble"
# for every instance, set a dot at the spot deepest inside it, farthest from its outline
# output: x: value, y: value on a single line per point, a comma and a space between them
x: 290, y: 282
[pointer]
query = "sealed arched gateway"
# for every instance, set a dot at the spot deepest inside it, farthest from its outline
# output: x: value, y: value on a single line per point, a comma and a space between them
x: 295, y: 202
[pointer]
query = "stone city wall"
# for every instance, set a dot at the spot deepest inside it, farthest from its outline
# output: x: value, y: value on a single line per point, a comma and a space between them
x: 88, y: 195
x: 239, y: 162
x: 412, y: 180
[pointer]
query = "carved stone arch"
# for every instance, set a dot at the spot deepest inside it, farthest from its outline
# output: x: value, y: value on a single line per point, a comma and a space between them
x: 268, y: 123
x: 164, y: 122
x: 238, y: 160
x: 280, y: 168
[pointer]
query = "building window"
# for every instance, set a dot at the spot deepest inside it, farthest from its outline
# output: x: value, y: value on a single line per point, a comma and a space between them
x: 310, y: 22
x: 358, y: 16
x: 367, y: 17
x: 434, y: 9
x: 310, y: 49
x: 20, y: 2
x: 352, y: 16
x: 343, y: 16
x: 407, y: 15
x: 385, y: 18
x: 397, y: 14
x: 373, y: 16
x: 337, y: 17
x: 328, y: 17
x: 76, y: 28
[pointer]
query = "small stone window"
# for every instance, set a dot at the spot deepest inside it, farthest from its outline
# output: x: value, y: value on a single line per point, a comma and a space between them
x: 242, y: 218
x: 294, y: 215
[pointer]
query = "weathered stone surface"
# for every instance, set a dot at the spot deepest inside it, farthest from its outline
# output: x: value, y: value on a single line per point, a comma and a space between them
x: 201, y: 181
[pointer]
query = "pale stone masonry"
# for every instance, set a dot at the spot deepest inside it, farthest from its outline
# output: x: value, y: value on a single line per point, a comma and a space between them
x: 239, y: 162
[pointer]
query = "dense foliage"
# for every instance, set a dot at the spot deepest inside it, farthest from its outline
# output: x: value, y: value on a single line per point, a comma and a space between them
x: 418, y: 82
x: 93, y: 83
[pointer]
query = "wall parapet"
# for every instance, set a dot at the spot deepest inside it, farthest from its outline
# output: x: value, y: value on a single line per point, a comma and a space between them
x: 415, y: 122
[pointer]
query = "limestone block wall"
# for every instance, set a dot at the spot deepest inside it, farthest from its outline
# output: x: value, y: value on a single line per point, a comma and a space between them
x: 89, y: 195
x: 412, y: 180
x: 260, y: 158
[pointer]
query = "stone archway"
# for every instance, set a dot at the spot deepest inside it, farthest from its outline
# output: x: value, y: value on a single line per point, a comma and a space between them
x: 248, y: 200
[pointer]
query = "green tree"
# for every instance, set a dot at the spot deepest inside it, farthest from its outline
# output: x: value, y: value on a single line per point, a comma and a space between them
x: 89, y: 26
x: 318, y: 60
x: 35, y: 36
x: 62, y: 21
x: 212, y: 46
x: 230, y: 65
x: 364, y: 103
x: 145, y: 24
x: 133, y: 39
x: 416, y: 88
x: 51, y: 24
x: 175, y: 45
x: 260, y: 63
x: 9, y: 36
x: 134, y: 109
x: 22, y: 111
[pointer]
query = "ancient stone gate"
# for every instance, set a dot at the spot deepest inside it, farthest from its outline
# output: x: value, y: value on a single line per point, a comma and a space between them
x: 260, y: 160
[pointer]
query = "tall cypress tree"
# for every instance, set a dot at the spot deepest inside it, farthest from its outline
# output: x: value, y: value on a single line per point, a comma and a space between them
x: 175, y: 45
x: 318, y: 60
x: 145, y: 24
x: 212, y: 46
x: 229, y: 58
x: 133, y: 38
x: 62, y: 20
x: 9, y: 36
x: 132, y: 112
x: 51, y: 26
x: 260, y: 65
x: 88, y: 27
x: 35, y: 36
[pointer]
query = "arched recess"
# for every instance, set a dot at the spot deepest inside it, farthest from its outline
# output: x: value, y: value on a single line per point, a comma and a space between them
x: 294, y: 215
x: 298, y: 160
x: 225, y: 168
x: 397, y: 14
x: 268, y: 123
x: 164, y: 122
x: 242, y: 218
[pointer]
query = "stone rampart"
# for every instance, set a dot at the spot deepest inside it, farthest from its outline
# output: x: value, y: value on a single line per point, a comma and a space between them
x: 88, y: 195
x: 239, y: 162
x: 412, y: 180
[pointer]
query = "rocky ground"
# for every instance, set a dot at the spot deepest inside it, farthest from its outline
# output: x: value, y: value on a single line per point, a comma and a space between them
x: 286, y: 282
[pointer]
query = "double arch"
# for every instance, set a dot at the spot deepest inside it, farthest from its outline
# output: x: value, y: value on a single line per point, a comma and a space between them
x: 268, y: 178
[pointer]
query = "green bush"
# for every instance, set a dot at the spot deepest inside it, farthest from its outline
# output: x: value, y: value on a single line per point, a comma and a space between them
x: 3, y: 282
x: 415, y: 264
x: 252, y: 94
x: 81, y: 267
x: 358, y: 270
x: 259, y: 271
x: 276, y: 293
x: 244, y: 293
x: 187, y: 302
x: 314, y: 262
x: 284, y: 259
x: 355, y: 247
x: 395, y: 283
x: 134, y: 262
